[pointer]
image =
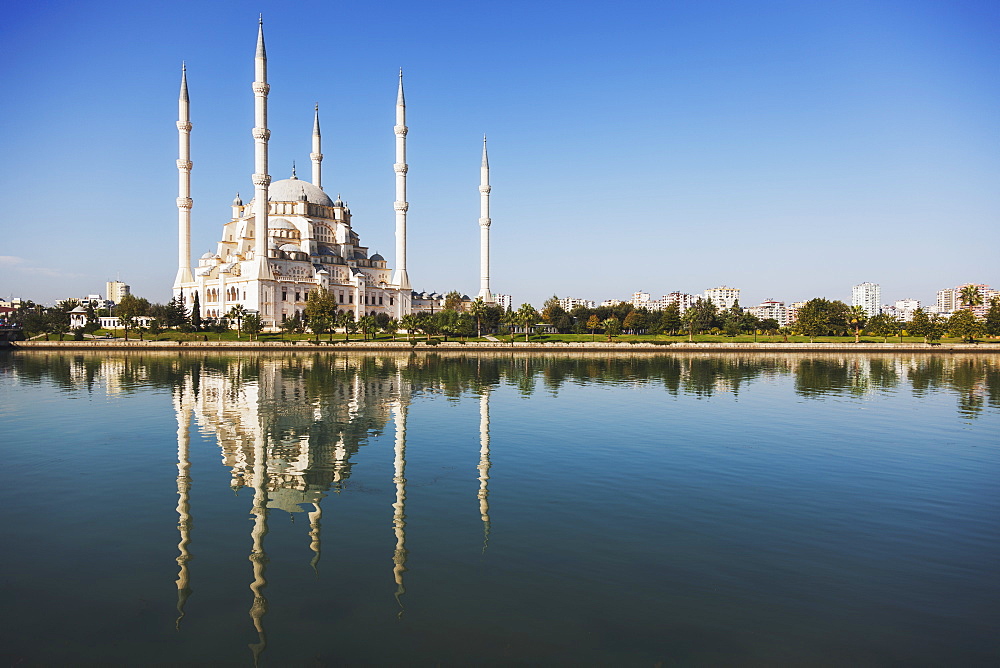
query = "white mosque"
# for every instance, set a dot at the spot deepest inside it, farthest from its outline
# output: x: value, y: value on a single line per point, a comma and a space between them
x: 292, y: 238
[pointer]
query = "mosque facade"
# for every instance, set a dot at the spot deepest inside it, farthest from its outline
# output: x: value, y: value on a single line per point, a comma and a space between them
x: 292, y: 237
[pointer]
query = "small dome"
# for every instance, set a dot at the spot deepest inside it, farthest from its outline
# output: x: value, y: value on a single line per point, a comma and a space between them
x: 291, y: 248
x: 295, y: 190
x: 207, y: 256
x: 279, y: 224
x: 326, y: 250
x: 377, y: 258
x: 237, y: 201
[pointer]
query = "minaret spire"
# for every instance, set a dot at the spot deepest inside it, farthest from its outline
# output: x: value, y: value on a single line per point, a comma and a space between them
x: 484, y: 228
x: 316, y: 156
x: 401, y: 278
x: 261, y: 179
x: 184, y: 201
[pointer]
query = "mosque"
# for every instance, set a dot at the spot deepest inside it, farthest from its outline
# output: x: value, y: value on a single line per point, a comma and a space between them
x: 292, y: 237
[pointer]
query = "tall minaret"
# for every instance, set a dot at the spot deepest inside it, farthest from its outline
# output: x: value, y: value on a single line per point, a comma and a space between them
x: 484, y: 228
x: 184, y: 185
x: 401, y: 278
x: 261, y: 179
x: 317, y: 156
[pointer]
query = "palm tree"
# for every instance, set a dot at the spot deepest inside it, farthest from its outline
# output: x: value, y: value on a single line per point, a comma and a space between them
x: 346, y: 320
x: 970, y: 296
x: 857, y: 316
x: 612, y: 327
x: 237, y: 313
x: 367, y: 324
x: 477, y: 309
x: 409, y: 322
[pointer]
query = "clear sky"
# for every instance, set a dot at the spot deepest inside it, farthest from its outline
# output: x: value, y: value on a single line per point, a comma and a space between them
x: 788, y: 148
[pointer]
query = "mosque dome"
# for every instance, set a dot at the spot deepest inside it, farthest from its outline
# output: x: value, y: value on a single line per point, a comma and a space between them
x: 377, y: 258
x: 279, y: 224
x: 296, y: 190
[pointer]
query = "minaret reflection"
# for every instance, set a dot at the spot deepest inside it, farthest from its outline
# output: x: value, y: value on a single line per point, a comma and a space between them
x: 258, y: 556
x: 484, y: 464
x: 399, y: 506
x: 183, y: 502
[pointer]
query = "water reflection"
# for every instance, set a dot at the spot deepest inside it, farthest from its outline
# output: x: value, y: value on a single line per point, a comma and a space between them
x: 291, y: 428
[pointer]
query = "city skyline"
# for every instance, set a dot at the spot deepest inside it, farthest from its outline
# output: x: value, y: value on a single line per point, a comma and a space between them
x: 790, y: 151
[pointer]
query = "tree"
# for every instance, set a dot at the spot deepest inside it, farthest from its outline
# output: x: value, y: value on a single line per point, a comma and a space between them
x: 409, y: 322
x: 527, y: 316
x: 920, y: 324
x: 884, y: 325
x: 970, y: 296
x: 252, y: 324
x: 291, y: 325
x: 612, y: 327
x: 237, y: 313
x: 818, y: 317
x: 556, y: 315
x: 593, y: 323
x: 966, y: 326
x: 477, y: 310
x: 367, y: 324
x: 992, y: 324
x: 128, y: 309
x: 195, y: 313
x: 670, y: 318
x: 174, y: 314
x: 391, y: 327
x: 453, y: 301
x: 635, y: 322
x: 699, y: 317
x: 321, y: 312
x: 857, y: 317
x: 346, y: 320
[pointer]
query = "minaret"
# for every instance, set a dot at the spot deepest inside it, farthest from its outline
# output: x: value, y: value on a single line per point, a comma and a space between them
x: 484, y: 228
x: 184, y: 184
x: 261, y: 179
x: 317, y: 156
x: 401, y: 278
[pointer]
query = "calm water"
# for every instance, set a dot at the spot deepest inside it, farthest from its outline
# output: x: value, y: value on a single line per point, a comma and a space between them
x: 333, y: 509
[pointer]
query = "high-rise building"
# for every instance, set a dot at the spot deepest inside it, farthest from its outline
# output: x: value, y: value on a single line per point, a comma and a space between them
x: 904, y: 308
x: 117, y: 290
x: 869, y: 297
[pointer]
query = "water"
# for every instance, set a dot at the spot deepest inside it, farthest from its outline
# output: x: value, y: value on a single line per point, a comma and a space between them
x: 335, y: 509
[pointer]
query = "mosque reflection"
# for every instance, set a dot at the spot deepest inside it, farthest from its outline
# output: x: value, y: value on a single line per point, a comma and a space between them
x: 288, y: 428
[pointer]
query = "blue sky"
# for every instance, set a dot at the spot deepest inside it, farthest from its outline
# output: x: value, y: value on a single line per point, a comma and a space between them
x: 791, y: 149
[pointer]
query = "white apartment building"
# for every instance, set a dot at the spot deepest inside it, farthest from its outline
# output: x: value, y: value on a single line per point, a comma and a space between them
x: 949, y: 300
x: 793, y: 311
x: 612, y: 302
x: 683, y: 300
x: 771, y: 309
x: 869, y: 297
x: 568, y: 303
x: 723, y: 297
x: 904, y: 308
x: 504, y: 301
x: 640, y: 299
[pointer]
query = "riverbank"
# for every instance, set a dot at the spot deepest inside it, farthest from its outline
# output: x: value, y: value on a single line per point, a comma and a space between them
x: 520, y: 346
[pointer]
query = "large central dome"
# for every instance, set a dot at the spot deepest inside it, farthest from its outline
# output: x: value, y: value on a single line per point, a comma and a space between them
x: 294, y: 190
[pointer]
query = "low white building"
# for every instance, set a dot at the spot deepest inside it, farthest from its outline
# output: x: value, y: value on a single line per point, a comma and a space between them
x: 683, y: 300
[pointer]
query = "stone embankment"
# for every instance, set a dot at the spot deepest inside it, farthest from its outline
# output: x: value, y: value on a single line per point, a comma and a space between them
x: 521, y: 346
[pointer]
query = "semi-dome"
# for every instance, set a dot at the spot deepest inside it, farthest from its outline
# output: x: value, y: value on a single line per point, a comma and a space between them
x: 279, y: 224
x: 295, y: 190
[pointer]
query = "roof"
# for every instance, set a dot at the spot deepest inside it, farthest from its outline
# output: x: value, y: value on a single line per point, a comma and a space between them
x: 292, y: 190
